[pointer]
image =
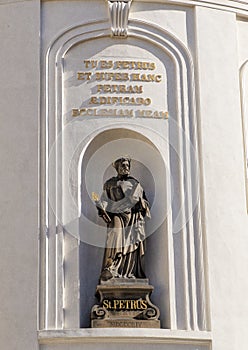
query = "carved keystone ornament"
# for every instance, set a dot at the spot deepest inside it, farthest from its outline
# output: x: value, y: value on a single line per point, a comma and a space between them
x: 119, y: 12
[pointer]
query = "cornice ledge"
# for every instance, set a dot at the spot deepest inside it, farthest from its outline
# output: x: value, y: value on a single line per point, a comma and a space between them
x: 237, y: 6
x: 122, y: 335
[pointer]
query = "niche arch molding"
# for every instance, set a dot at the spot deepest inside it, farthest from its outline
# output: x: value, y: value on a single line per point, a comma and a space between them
x: 244, y: 110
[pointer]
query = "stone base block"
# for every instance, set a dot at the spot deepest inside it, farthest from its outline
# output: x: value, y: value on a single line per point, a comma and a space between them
x: 125, y: 303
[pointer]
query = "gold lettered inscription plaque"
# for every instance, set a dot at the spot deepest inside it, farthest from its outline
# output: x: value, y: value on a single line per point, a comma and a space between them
x: 125, y: 304
x: 120, y: 88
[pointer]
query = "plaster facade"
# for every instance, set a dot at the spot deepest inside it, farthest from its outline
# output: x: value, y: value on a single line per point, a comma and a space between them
x: 200, y: 49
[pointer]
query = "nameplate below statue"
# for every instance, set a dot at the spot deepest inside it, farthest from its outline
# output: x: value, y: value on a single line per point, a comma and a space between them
x: 125, y: 303
x: 125, y: 323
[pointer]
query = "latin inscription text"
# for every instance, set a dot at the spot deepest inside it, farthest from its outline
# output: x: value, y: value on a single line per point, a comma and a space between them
x: 125, y: 304
x: 120, y: 89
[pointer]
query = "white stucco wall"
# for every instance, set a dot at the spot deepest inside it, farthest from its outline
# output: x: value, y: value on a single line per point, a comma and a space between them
x: 223, y: 175
x: 218, y: 44
x: 19, y: 91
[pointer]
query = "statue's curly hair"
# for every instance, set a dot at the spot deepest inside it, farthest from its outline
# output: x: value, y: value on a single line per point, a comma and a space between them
x: 120, y: 160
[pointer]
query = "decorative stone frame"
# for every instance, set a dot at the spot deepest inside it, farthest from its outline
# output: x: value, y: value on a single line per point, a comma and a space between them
x: 53, y: 288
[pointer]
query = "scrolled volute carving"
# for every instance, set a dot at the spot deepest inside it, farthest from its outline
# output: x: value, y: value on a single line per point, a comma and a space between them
x: 98, y: 312
x: 151, y: 313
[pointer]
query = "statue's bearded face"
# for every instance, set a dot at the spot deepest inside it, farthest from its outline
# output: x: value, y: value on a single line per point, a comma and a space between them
x: 123, y: 168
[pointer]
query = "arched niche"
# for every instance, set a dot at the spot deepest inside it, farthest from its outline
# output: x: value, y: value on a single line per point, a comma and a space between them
x: 186, y: 307
x: 148, y: 166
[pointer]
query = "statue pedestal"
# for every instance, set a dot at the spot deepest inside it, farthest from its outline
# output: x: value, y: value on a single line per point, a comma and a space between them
x: 125, y: 303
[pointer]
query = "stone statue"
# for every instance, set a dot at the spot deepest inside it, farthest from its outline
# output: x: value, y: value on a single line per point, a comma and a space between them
x: 124, y: 207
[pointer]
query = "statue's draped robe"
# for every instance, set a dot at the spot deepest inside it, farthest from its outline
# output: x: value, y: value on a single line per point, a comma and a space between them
x: 126, y: 204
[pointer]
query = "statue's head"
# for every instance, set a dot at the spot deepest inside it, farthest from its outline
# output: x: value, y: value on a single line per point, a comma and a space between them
x: 122, y: 166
